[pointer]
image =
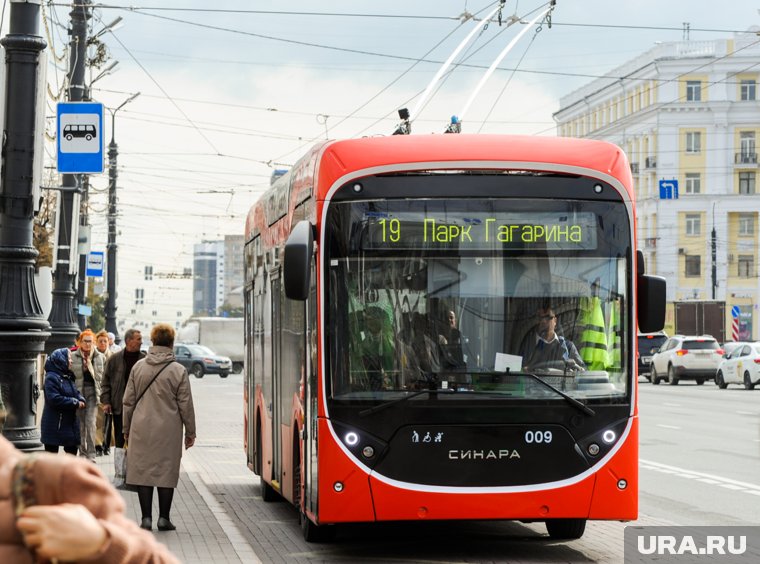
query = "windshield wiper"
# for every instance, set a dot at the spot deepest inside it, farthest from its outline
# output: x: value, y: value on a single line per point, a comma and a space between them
x: 570, y: 399
x: 405, y: 398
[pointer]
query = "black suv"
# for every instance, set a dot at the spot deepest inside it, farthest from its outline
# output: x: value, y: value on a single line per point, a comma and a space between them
x: 649, y: 343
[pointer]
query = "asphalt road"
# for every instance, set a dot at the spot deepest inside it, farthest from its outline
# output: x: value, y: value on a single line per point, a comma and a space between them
x: 700, y: 465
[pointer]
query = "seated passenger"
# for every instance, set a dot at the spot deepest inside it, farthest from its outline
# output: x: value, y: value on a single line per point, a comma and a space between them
x: 547, y: 349
x: 450, y: 341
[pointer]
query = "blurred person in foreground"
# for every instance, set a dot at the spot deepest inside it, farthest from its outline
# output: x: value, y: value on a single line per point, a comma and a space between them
x: 115, y: 377
x: 158, y: 403
x: 61, y: 508
x: 103, y: 428
x: 88, y: 365
x: 59, y: 426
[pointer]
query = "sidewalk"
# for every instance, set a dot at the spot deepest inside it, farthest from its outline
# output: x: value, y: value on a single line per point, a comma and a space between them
x: 204, y: 532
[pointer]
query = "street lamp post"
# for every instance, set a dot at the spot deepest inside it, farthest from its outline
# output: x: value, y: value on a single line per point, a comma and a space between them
x: 63, y: 320
x: 113, y: 174
x: 22, y: 322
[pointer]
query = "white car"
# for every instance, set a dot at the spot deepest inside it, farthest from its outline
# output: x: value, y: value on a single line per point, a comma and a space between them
x: 687, y: 358
x: 741, y: 366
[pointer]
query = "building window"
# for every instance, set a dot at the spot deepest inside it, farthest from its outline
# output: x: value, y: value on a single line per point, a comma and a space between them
x: 746, y: 266
x: 139, y: 296
x: 749, y: 89
x: 693, y: 141
x: 693, y: 266
x: 693, y: 90
x: 149, y: 273
x: 746, y: 224
x: 693, y: 183
x: 747, y: 147
x: 746, y: 183
x: 693, y: 224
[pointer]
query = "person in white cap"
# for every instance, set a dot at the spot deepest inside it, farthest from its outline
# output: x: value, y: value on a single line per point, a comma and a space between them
x: 112, y: 346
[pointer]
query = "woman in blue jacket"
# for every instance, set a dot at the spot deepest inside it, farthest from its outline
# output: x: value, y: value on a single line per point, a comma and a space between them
x: 60, y: 427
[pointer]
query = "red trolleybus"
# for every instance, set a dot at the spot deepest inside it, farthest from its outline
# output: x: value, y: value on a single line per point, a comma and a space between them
x: 393, y: 287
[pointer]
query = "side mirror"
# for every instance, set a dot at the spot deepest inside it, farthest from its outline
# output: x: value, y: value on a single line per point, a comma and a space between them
x: 297, y: 261
x: 650, y: 303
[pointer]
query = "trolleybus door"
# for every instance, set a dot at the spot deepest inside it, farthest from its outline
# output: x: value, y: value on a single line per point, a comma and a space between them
x: 277, y: 296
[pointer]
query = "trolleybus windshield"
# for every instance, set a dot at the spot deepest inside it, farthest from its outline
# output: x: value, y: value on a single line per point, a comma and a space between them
x: 450, y: 294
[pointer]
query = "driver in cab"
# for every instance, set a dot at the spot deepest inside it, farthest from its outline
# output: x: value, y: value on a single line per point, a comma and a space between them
x: 546, y: 349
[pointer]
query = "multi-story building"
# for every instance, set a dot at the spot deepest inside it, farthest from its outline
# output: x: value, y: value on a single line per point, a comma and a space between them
x: 217, y: 275
x: 688, y: 116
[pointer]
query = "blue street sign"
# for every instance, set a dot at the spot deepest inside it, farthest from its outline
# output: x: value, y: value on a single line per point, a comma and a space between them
x: 80, y: 137
x: 95, y: 264
x: 669, y: 189
x: 735, y: 312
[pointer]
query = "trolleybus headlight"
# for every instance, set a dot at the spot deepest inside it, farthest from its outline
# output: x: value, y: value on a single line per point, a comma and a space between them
x: 338, y: 486
x: 598, y: 188
x: 609, y: 436
x: 368, y: 451
x: 593, y: 449
x: 357, y: 187
x: 351, y: 438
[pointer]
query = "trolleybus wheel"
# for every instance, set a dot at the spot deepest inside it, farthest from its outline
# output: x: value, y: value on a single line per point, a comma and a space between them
x: 565, y: 529
x: 313, y: 532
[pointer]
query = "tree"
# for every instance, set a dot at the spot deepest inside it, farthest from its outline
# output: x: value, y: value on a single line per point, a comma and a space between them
x: 44, y: 226
x: 228, y: 310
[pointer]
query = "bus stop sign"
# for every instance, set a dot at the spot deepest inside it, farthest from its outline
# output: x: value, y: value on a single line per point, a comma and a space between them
x: 80, y: 137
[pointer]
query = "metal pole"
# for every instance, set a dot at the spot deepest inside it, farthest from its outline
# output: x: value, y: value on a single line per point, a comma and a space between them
x: 23, y: 328
x: 63, y: 315
x: 111, y: 248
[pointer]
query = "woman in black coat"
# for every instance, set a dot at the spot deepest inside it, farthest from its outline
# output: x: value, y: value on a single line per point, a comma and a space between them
x: 60, y: 427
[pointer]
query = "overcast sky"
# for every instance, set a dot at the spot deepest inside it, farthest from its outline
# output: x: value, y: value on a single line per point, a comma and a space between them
x: 228, y: 94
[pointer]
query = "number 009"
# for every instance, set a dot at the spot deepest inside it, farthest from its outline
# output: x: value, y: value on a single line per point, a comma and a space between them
x: 538, y: 437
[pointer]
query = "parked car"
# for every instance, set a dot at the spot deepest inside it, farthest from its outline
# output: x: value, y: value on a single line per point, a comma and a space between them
x: 741, y: 366
x: 200, y: 360
x: 649, y: 343
x: 687, y: 358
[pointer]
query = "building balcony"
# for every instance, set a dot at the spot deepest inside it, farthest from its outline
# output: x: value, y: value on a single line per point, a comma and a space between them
x: 745, y: 158
x: 650, y: 162
x: 635, y: 168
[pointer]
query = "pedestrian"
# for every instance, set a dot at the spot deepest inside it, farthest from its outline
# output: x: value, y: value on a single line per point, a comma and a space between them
x: 115, y: 379
x: 60, y: 426
x: 103, y: 436
x: 55, y: 508
x: 88, y: 365
x: 112, y: 346
x: 158, y: 403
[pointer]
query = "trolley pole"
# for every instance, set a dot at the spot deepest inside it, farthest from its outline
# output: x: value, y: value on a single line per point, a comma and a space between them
x: 63, y: 314
x: 23, y: 327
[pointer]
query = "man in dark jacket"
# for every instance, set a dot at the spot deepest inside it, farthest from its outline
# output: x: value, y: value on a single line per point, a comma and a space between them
x: 115, y: 379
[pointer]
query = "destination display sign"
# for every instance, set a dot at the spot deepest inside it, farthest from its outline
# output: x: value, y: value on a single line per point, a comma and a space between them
x: 544, y: 230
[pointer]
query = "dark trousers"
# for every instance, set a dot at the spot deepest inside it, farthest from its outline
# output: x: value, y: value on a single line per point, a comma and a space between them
x: 145, y: 497
x: 67, y: 449
x: 118, y: 435
x: 107, y: 427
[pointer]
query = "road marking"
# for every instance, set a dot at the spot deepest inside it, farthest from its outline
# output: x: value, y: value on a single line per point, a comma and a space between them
x: 728, y: 483
x: 667, y: 426
x: 747, y: 413
x: 671, y: 404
